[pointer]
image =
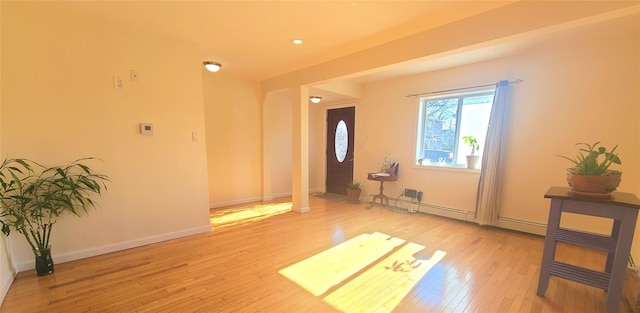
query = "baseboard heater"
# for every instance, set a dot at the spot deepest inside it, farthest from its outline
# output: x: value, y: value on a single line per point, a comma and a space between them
x: 434, y: 209
x: 522, y: 225
x: 469, y: 216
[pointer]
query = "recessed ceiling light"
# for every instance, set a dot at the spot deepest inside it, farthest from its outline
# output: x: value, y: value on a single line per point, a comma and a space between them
x: 297, y: 41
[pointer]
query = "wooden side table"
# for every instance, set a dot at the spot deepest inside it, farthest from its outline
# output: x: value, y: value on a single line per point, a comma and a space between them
x: 381, y: 179
x: 623, y: 209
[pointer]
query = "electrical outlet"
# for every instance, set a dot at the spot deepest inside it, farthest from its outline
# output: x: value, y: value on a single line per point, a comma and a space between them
x: 134, y: 75
x: 409, y: 193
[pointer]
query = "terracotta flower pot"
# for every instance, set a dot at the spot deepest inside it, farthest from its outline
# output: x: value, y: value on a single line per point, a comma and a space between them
x: 594, y: 184
x: 353, y: 195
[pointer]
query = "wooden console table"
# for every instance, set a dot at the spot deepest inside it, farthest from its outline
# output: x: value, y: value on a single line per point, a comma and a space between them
x: 622, y: 208
x: 381, y: 179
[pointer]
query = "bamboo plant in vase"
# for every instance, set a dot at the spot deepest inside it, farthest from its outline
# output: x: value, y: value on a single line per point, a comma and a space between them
x: 32, y: 197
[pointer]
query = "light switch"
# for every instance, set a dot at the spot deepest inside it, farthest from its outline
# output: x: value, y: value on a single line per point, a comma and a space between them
x: 117, y: 82
x: 195, y: 136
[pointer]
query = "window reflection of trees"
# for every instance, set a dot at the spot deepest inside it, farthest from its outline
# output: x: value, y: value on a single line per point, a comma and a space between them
x: 443, y: 119
x: 440, y: 128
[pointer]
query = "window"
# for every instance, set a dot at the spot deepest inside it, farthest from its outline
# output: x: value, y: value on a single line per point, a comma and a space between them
x: 444, y: 120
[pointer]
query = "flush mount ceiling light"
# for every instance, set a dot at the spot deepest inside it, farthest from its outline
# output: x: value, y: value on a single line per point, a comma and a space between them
x: 315, y: 99
x: 297, y: 41
x: 212, y: 66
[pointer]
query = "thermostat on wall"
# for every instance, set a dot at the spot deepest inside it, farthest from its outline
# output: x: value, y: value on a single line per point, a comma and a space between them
x: 146, y: 129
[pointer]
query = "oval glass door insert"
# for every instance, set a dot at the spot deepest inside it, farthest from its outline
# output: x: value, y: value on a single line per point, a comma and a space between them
x: 341, y: 141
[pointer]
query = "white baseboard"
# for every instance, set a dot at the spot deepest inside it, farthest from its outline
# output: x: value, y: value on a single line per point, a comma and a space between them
x: 81, y: 254
x: 316, y: 190
x: 281, y: 195
x: 302, y: 210
x: 236, y: 202
x: 11, y: 271
x: 255, y: 199
x: 6, y: 284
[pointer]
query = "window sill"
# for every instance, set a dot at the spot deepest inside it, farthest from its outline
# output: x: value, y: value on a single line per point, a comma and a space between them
x: 447, y: 168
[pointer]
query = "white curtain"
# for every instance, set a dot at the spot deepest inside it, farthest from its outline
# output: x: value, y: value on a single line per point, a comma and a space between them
x: 491, y: 171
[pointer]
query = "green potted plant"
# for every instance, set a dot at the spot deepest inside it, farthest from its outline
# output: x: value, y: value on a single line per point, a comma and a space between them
x: 32, y: 197
x: 353, y: 192
x: 590, y: 174
x: 472, y: 159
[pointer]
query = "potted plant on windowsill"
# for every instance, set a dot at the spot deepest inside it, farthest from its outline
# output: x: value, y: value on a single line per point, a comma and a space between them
x: 591, y: 175
x: 353, y: 192
x: 472, y: 159
x: 32, y: 197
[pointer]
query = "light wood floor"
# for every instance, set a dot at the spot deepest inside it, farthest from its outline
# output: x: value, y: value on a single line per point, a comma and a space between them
x: 236, y: 269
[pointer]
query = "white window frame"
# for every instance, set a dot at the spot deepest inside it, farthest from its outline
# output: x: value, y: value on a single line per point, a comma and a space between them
x: 421, y: 117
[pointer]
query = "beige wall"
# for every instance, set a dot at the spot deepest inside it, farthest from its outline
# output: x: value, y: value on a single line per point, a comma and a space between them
x: 584, y: 88
x: 59, y: 104
x: 6, y: 267
x: 278, y: 113
x: 233, y: 118
x: 317, y: 145
x: 386, y: 127
x: 495, y: 33
x: 581, y: 87
x: 566, y: 98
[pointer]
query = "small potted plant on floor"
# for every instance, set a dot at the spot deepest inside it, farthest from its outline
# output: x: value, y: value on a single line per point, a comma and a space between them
x: 591, y: 175
x: 32, y: 197
x: 472, y: 159
x: 353, y: 192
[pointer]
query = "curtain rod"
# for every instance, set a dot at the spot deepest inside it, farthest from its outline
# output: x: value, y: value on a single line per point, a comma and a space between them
x: 517, y: 81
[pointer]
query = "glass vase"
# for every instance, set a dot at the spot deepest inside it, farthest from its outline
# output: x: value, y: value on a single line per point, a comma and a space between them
x: 44, y: 262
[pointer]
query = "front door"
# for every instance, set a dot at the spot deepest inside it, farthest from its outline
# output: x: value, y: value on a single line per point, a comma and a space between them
x: 340, y: 129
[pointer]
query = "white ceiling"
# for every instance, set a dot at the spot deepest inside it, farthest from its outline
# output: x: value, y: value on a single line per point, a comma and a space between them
x: 253, y: 39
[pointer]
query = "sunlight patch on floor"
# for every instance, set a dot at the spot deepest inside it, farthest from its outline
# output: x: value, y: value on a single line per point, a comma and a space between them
x: 337, y: 274
x: 238, y: 216
x: 329, y: 268
x: 381, y: 288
